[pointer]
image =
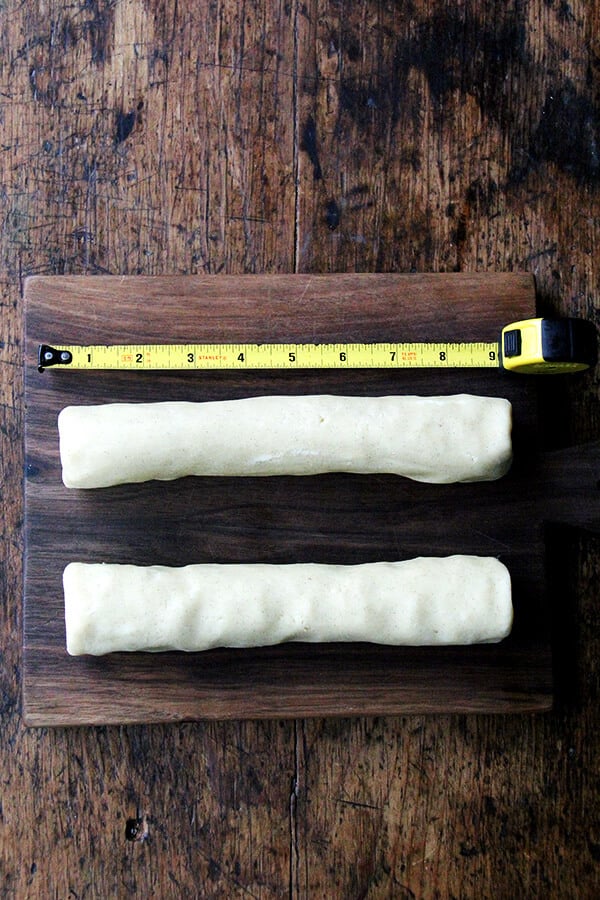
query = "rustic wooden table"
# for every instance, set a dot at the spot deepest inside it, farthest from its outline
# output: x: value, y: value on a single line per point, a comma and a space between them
x: 141, y: 137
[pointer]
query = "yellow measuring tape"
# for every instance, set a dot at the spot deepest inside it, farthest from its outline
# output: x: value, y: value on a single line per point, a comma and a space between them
x: 534, y: 345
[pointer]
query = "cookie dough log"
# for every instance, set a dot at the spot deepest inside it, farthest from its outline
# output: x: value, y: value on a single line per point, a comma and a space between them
x: 431, y: 439
x: 423, y: 601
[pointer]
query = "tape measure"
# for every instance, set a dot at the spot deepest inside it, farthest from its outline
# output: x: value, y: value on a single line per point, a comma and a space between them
x: 537, y: 346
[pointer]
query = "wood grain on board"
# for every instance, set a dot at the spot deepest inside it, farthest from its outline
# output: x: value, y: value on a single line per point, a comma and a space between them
x: 333, y: 518
x: 153, y: 137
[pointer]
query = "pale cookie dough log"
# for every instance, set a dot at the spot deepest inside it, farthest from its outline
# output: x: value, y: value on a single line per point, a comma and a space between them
x: 423, y: 601
x: 432, y: 439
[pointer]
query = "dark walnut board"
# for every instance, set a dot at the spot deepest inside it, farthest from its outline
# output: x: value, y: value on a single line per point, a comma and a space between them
x: 331, y: 518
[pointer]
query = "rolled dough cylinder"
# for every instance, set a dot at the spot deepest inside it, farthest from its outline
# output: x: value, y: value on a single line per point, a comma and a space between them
x: 448, y: 600
x: 432, y: 439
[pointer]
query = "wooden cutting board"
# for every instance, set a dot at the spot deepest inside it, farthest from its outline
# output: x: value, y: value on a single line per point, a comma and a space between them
x: 331, y: 518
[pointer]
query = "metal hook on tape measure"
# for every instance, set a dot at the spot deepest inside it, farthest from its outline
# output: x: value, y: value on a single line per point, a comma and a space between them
x: 50, y: 356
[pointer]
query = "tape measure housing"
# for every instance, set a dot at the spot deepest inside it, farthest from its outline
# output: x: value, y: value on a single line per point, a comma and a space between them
x: 549, y: 346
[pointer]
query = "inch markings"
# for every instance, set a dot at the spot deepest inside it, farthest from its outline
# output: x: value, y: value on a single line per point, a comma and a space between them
x: 272, y: 356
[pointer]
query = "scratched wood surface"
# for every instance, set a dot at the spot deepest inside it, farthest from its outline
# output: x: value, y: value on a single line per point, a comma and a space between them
x: 152, y: 138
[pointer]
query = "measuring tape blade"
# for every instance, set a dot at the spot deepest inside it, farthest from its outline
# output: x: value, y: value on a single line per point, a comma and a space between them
x: 534, y: 345
x: 272, y: 356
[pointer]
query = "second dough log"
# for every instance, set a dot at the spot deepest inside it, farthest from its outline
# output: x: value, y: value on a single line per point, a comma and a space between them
x: 423, y: 601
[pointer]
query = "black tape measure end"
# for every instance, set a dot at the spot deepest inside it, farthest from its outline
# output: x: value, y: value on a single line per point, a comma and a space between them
x: 569, y: 340
x: 50, y: 356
